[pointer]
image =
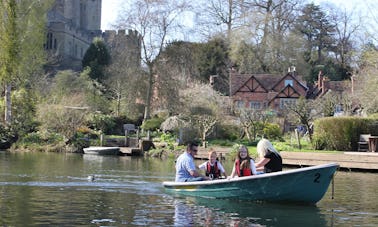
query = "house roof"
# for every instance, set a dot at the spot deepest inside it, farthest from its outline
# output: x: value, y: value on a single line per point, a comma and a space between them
x: 268, y: 81
x: 238, y: 80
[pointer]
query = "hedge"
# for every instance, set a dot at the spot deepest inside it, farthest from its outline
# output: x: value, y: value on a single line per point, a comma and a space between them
x: 342, y: 133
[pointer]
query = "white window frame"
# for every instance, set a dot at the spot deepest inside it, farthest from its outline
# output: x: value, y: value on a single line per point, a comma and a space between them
x: 285, y: 101
x: 256, y: 105
x: 289, y: 82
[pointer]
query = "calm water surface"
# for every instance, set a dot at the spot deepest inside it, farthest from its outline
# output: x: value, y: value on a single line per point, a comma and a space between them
x: 45, y: 189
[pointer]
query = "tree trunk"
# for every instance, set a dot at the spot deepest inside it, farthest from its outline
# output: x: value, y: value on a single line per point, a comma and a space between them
x: 8, y: 105
x: 147, y: 107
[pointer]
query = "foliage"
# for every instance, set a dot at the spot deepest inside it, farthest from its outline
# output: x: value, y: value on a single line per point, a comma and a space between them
x: 101, y: 122
x: 41, y: 138
x: 60, y: 119
x: 212, y: 60
x: 96, y: 58
x: 272, y: 131
x: 7, y: 137
x: 72, y: 89
x: 315, y: 26
x: 23, y: 109
x: 226, y: 131
x: 152, y: 124
x: 342, y: 133
x: 22, y: 29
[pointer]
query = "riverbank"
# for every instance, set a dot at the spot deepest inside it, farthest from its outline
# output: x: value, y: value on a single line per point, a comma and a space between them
x: 353, y: 161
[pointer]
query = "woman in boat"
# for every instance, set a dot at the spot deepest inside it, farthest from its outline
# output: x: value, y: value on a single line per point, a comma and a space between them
x: 213, y: 168
x: 270, y: 158
x: 244, y: 164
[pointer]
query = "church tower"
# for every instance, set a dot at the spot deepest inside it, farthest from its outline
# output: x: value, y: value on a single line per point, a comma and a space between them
x: 71, y: 27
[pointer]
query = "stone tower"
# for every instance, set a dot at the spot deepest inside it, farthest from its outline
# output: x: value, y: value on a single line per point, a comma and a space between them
x: 71, y: 27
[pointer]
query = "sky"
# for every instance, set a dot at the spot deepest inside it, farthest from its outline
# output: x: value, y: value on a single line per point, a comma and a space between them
x: 110, y: 8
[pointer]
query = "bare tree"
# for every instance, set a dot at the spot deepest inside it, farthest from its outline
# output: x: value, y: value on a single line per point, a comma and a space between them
x: 221, y: 16
x: 346, y: 30
x: 123, y: 75
x: 263, y: 42
x: 203, y: 107
x: 155, y: 21
x: 302, y: 112
x: 366, y: 81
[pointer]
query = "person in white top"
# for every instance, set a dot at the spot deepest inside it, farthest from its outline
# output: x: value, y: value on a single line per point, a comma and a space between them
x: 244, y: 164
x: 213, y: 168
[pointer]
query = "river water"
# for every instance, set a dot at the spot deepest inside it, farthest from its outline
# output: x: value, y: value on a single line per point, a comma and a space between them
x: 49, y: 189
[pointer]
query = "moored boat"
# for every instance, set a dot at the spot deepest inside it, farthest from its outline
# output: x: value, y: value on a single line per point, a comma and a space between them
x: 102, y: 150
x: 306, y: 185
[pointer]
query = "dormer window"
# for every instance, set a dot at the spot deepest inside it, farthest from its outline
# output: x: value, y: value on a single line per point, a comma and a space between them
x: 288, y: 82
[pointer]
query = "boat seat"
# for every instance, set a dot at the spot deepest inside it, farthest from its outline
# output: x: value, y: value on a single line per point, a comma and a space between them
x: 363, y: 143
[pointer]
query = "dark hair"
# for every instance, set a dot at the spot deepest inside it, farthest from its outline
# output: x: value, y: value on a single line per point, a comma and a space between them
x: 191, y: 145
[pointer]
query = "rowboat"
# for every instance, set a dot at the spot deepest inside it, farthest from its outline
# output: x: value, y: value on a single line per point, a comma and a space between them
x: 102, y: 150
x: 302, y: 185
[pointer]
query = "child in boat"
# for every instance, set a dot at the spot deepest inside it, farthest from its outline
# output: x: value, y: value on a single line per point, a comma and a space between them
x: 270, y: 158
x: 213, y: 168
x: 244, y: 164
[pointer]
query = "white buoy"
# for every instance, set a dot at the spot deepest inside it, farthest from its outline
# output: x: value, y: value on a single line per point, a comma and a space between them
x: 91, y: 178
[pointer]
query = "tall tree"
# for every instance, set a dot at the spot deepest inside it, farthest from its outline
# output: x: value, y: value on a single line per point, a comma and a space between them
x: 221, y: 16
x: 155, y: 21
x: 97, y: 57
x: 262, y: 45
x: 22, y: 29
x: 366, y: 81
x: 315, y: 26
x: 9, y: 52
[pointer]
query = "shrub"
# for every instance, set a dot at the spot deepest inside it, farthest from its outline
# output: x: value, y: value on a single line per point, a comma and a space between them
x: 227, y: 132
x: 342, y: 133
x: 152, y: 124
x: 102, y: 122
x: 272, y: 131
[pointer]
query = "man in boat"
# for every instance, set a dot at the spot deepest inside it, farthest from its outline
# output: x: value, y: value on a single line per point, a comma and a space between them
x: 185, y: 167
x: 270, y: 158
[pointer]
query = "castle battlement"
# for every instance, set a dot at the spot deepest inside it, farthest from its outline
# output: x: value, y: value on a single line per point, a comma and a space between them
x: 131, y: 39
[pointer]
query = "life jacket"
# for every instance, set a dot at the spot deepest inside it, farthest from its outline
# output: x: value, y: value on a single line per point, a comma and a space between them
x: 213, y: 170
x: 244, y: 172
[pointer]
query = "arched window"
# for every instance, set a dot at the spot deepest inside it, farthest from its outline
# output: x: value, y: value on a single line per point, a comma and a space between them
x: 49, y: 41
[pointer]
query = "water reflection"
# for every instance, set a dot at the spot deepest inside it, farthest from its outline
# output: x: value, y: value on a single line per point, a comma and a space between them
x: 210, y: 212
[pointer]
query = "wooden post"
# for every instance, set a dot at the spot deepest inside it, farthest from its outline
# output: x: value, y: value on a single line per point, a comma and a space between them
x: 298, y: 138
x: 126, y: 139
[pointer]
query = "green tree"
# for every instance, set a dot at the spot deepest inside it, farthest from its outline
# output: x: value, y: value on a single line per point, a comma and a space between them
x: 22, y: 29
x: 315, y: 26
x: 96, y: 58
x: 213, y: 60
